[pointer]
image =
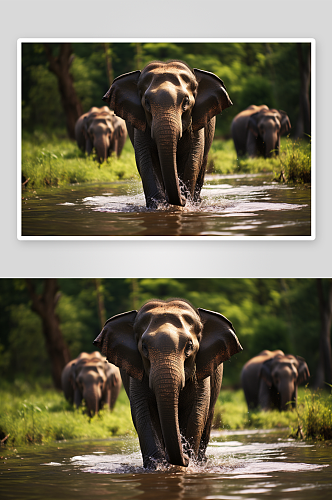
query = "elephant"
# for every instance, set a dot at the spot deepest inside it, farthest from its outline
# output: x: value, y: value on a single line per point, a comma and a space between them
x: 119, y: 135
x: 171, y: 358
x: 95, y: 130
x: 80, y: 134
x: 92, y: 378
x: 113, y: 385
x: 270, y: 380
x: 170, y: 112
x: 256, y: 131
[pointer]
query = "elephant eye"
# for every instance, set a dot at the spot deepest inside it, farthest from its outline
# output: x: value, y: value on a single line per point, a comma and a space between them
x: 145, y: 350
x: 147, y: 105
x: 185, y: 103
x: 189, y: 348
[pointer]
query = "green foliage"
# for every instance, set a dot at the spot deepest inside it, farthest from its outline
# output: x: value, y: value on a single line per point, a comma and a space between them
x: 266, y: 314
x: 254, y: 73
x: 294, y: 162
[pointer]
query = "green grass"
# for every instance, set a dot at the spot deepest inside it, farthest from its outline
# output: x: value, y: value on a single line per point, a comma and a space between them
x: 294, y: 162
x: 231, y: 412
x: 53, y: 160
x: 223, y: 160
x: 314, y: 416
x: 56, y: 162
x: 38, y: 415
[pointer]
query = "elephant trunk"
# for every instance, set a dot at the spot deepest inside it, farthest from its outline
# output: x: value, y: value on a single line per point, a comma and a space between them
x: 166, y: 387
x: 270, y: 143
x: 101, y: 150
x: 92, y: 400
x: 286, y: 392
x: 166, y: 133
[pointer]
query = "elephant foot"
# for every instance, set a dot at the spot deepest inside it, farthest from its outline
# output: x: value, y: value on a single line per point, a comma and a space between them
x: 154, y: 464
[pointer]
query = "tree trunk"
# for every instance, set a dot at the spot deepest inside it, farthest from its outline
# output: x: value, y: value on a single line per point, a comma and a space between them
x: 44, y: 305
x: 108, y: 57
x: 324, y: 369
x: 304, y: 121
x: 60, y: 66
x: 101, y: 303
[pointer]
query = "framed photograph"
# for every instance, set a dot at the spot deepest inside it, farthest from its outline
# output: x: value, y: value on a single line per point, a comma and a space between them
x: 139, y: 139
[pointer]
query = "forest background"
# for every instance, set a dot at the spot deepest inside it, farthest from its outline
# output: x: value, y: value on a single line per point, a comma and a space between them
x: 46, y: 322
x: 60, y: 81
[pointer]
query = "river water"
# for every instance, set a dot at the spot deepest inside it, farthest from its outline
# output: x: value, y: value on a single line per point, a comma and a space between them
x: 232, y: 206
x: 241, y: 465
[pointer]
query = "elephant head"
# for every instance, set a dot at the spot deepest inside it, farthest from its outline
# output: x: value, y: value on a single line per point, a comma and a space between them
x: 165, y: 345
x: 267, y: 126
x: 165, y: 100
x: 90, y: 379
x: 283, y: 374
x: 99, y: 130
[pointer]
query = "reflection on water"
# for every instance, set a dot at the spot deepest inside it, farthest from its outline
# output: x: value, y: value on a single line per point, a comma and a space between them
x: 243, y: 205
x: 242, y: 465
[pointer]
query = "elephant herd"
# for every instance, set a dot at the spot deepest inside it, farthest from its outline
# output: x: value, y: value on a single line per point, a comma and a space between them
x: 170, y: 357
x: 169, y: 111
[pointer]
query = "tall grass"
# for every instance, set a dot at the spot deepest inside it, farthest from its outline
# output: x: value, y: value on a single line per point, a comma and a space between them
x: 51, y: 161
x: 39, y: 415
x: 223, y: 160
x: 294, y: 162
x: 314, y: 415
x: 42, y: 415
x: 231, y: 412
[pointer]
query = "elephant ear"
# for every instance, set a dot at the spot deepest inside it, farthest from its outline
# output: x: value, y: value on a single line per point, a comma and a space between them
x: 124, y: 99
x: 284, y: 122
x: 265, y: 372
x: 219, y: 342
x: 117, y: 342
x: 303, y: 370
x: 211, y: 99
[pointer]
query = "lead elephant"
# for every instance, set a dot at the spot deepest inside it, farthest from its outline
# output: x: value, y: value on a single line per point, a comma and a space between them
x: 270, y: 380
x: 170, y: 357
x: 91, y: 378
x: 170, y: 114
x: 256, y: 130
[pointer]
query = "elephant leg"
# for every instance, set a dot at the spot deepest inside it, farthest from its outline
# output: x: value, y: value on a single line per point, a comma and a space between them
x: 264, y: 396
x: 192, y: 162
x: 251, y: 144
x: 148, y: 166
x: 146, y: 421
x: 215, y: 386
x: 193, y: 415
